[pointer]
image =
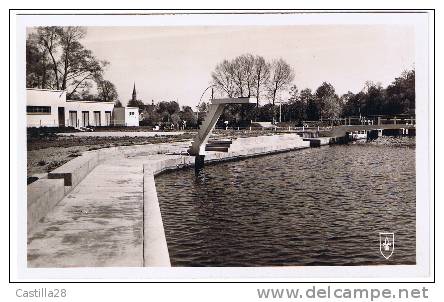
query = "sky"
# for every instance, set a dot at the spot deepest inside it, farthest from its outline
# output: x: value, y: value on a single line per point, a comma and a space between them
x: 175, y: 63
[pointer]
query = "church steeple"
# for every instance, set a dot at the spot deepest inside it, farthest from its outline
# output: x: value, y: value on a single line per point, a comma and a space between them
x: 134, y: 93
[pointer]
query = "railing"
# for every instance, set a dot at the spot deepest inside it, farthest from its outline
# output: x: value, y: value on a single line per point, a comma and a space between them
x: 320, y: 127
x: 273, y: 129
x: 372, y: 120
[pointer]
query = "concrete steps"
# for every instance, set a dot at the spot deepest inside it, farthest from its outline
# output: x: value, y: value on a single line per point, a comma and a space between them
x: 74, y: 171
x: 216, y: 148
x: 219, y: 142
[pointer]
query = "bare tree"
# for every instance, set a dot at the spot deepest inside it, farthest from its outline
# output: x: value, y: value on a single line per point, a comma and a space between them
x: 78, y: 63
x: 236, y: 77
x: 223, y: 78
x: 243, y: 66
x: 281, y: 77
x: 261, y: 73
x: 249, y: 75
x: 74, y: 66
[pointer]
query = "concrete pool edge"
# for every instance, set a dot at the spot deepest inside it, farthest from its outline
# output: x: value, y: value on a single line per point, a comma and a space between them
x: 155, y: 249
x: 153, y: 161
x: 155, y: 244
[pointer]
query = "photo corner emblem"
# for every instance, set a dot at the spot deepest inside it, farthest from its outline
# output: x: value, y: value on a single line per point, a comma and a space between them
x: 387, y: 244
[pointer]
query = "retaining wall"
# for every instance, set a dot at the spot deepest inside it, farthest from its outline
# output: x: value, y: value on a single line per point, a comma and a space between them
x: 44, y: 194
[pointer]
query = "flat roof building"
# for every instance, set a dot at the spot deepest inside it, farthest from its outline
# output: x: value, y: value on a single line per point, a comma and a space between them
x: 49, y: 108
x: 126, y: 116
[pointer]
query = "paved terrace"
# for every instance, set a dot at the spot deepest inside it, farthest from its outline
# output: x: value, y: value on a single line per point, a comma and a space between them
x: 112, y: 216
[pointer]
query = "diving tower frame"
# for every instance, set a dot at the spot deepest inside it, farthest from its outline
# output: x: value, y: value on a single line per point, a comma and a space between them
x: 215, y: 109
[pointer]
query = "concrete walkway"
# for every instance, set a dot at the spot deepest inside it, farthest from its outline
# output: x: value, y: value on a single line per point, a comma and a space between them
x: 112, y: 217
x: 100, y: 223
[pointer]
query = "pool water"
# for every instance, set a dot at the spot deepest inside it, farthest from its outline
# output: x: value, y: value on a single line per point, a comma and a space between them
x: 318, y: 206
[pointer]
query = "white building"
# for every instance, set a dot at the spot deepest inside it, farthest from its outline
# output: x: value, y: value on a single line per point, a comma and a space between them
x: 49, y: 108
x: 87, y: 113
x: 45, y: 107
x: 126, y: 116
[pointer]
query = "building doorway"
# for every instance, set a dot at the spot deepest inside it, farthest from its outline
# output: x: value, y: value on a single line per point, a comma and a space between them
x: 107, y: 118
x: 97, y: 118
x: 61, y: 116
x: 85, y: 118
x: 73, y: 119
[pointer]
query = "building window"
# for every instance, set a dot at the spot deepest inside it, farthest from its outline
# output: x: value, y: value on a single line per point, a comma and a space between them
x: 131, y: 113
x: 38, y: 109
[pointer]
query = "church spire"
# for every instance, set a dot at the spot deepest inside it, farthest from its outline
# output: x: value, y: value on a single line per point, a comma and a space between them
x: 134, y: 93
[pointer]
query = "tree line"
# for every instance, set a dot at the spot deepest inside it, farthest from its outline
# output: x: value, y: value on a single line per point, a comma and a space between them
x: 252, y: 76
x: 169, y: 114
x: 56, y: 59
x: 302, y: 105
x: 398, y: 98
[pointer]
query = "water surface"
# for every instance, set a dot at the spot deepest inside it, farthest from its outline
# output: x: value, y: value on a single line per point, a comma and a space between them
x: 319, y: 206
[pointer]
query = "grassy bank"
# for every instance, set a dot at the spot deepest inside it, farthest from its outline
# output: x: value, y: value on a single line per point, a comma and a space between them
x: 48, y: 151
